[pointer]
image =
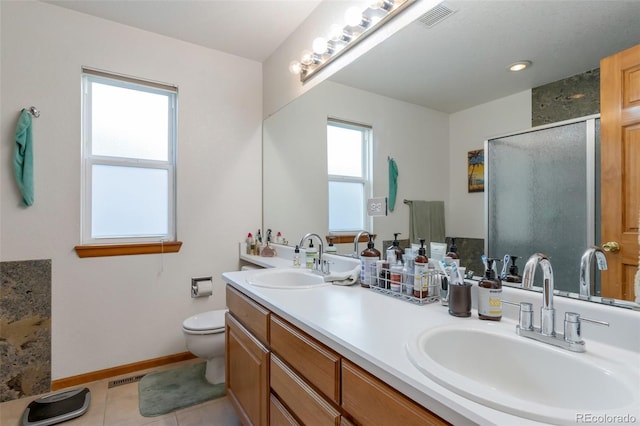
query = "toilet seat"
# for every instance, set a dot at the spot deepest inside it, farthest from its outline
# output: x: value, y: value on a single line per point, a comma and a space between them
x: 211, y: 322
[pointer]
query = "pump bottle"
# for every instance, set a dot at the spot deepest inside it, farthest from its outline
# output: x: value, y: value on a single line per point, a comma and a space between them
x: 420, y: 274
x: 490, y: 295
x: 368, y: 259
x: 394, y: 252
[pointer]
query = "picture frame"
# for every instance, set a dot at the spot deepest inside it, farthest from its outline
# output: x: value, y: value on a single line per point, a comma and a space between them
x: 475, y: 170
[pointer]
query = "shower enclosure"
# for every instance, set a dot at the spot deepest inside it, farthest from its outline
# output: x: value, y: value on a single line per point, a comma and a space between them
x: 541, y: 195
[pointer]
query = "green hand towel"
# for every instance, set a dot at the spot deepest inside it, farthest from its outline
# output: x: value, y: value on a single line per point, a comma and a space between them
x: 393, y: 183
x: 23, y: 157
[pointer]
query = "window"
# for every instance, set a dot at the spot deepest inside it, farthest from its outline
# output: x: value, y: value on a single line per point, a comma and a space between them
x: 129, y: 147
x: 349, y: 170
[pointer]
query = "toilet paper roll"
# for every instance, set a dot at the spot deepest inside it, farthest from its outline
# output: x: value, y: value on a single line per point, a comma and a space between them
x: 201, y: 288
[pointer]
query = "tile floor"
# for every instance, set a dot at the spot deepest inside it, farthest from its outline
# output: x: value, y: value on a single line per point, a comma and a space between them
x: 118, y: 406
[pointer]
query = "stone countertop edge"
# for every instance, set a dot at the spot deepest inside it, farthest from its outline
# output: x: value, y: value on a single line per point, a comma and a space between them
x: 381, y: 326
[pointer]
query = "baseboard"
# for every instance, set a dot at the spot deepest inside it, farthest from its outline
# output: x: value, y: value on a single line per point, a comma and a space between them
x: 119, y: 370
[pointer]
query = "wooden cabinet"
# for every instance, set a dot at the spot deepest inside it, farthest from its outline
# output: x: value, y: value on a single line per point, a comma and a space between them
x: 247, y: 373
x: 303, y: 401
x: 279, y: 415
x: 253, y: 316
x: 319, y: 365
x: 370, y: 401
x: 278, y: 375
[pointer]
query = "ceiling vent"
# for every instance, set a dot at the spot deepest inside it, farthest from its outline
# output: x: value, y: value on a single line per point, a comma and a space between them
x: 436, y: 15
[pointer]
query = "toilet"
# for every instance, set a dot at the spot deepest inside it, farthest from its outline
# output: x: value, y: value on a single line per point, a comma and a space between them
x: 204, y: 336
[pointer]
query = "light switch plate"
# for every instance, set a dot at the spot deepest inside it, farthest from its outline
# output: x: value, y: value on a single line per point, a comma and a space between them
x: 377, y: 206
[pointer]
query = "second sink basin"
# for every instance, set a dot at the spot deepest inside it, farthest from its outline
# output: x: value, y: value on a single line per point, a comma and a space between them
x: 495, y: 367
x: 286, y: 278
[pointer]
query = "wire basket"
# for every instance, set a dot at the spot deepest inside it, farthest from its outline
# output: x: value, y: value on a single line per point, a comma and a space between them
x: 403, y: 286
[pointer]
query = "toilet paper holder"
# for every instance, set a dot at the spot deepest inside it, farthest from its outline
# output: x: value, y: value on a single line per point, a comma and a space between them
x: 201, y: 287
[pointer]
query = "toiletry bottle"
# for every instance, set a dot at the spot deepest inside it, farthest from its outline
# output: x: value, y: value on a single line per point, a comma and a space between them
x: 312, y: 254
x: 383, y: 280
x: 453, y: 250
x: 331, y: 249
x: 296, y: 257
x: 490, y: 295
x: 407, y: 272
x: 250, y: 246
x: 259, y: 243
x: 394, y: 252
x: 395, y: 276
x: 420, y: 271
x: 368, y: 259
x: 513, y: 276
x: 279, y: 237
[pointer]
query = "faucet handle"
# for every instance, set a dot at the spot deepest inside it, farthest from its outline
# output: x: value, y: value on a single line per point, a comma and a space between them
x: 572, y: 322
x: 525, y: 315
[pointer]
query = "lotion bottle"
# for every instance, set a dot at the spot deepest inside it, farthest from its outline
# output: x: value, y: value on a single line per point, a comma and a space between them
x: 420, y: 270
x: 394, y: 252
x: 490, y: 295
x: 312, y: 254
x: 296, y: 257
x: 368, y: 259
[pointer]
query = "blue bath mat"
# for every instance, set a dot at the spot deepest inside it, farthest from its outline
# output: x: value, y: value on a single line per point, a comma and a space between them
x: 166, y: 391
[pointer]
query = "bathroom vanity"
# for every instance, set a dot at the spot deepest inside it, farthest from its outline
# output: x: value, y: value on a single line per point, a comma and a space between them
x: 341, y: 355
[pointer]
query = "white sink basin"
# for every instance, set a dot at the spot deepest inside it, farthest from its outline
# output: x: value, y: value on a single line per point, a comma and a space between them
x: 488, y: 364
x: 288, y: 278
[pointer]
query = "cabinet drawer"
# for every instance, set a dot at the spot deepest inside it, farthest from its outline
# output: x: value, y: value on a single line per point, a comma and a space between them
x: 301, y: 400
x: 312, y: 360
x: 279, y: 415
x: 253, y: 316
x: 371, y: 401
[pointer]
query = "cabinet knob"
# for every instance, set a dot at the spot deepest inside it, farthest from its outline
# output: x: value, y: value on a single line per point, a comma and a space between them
x: 611, y: 247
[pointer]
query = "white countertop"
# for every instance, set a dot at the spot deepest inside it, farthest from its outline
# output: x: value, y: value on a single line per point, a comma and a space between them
x: 371, y: 329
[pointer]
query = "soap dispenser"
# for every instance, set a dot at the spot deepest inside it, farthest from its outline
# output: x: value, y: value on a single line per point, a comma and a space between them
x: 490, y: 294
x: 453, y: 250
x: 331, y: 249
x: 513, y: 276
x: 420, y: 272
x: 394, y: 252
x: 312, y: 254
x: 368, y: 259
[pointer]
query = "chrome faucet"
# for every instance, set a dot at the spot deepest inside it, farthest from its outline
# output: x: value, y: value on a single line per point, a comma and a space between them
x: 587, y: 282
x: 572, y: 338
x: 318, y: 266
x: 547, y: 313
x: 356, y: 241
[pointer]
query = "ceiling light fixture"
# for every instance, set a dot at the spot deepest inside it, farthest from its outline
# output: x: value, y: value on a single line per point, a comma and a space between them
x: 359, y: 25
x: 519, y: 66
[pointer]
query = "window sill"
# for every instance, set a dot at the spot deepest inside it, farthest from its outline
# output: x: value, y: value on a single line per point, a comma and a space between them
x: 128, y: 249
x: 348, y: 238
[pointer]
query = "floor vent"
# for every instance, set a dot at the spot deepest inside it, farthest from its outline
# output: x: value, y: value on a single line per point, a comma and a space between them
x: 436, y: 15
x: 125, y: 381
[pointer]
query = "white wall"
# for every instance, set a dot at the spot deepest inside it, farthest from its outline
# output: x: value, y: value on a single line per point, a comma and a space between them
x: 295, y: 173
x: 468, y: 130
x: 117, y: 310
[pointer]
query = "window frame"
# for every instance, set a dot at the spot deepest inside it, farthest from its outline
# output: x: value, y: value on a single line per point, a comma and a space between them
x: 152, y: 243
x: 367, y: 171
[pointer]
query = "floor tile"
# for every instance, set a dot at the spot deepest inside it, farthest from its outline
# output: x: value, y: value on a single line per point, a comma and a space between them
x: 218, y: 412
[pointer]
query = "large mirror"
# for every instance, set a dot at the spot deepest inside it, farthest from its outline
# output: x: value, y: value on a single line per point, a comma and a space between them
x: 431, y: 94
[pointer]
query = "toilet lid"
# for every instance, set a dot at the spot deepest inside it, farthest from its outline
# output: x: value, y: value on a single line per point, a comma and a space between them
x: 211, y: 320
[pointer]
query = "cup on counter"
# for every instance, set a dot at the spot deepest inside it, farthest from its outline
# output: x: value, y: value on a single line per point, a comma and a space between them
x: 460, y: 300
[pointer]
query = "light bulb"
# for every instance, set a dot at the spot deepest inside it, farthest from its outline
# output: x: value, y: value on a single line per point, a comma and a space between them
x: 295, y: 67
x: 382, y: 4
x: 336, y: 32
x: 307, y: 57
x: 320, y: 45
x: 353, y: 16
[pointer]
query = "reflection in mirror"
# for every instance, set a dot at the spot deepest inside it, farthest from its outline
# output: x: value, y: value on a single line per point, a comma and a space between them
x: 431, y: 95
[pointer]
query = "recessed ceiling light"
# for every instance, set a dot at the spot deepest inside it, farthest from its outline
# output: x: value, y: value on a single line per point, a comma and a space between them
x: 519, y: 66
